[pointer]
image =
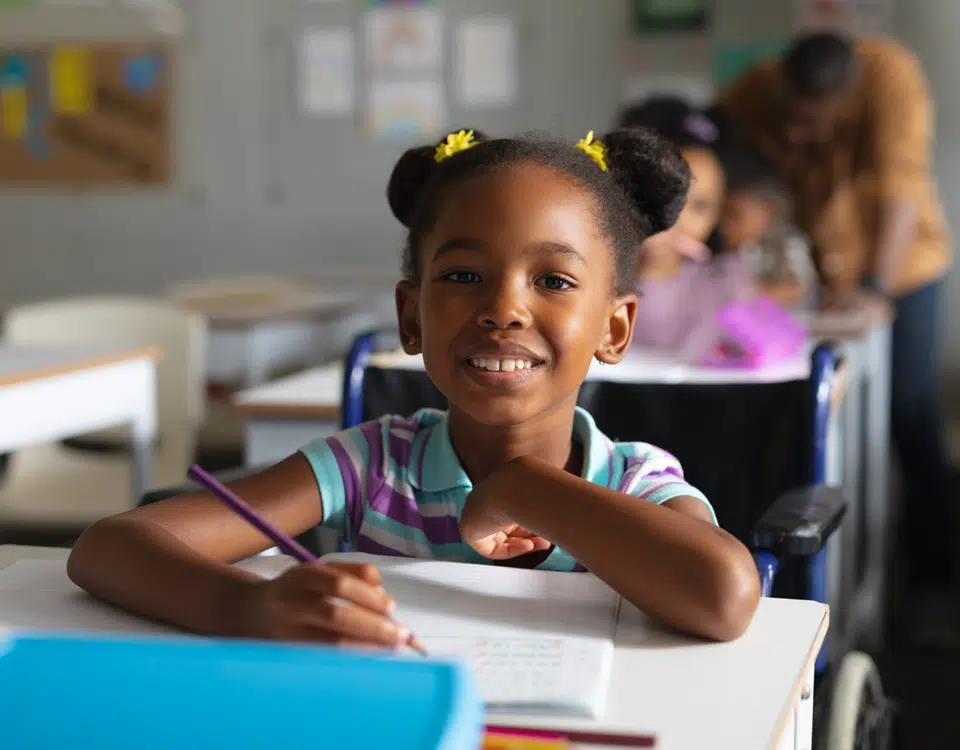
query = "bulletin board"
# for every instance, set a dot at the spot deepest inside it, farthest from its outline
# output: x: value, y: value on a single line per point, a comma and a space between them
x: 96, y: 114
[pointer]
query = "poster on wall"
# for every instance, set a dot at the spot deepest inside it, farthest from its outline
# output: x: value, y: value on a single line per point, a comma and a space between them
x: 404, y: 38
x: 671, y: 15
x: 406, y: 110
x: 487, y: 66
x: 730, y: 59
x: 327, y: 79
x: 853, y: 17
x: 85, y: 114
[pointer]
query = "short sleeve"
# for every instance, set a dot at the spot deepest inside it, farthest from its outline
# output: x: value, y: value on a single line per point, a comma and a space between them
x: 654, y: 475
x: 340, y: 465
x: 902, y: 112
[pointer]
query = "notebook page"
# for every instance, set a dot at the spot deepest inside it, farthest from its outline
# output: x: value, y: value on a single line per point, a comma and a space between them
x: 536, y: 640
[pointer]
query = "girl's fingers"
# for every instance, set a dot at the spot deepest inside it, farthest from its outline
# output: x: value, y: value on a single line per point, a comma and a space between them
x: 364, y: 571
x: 332, y: 582
x: 343, y: 622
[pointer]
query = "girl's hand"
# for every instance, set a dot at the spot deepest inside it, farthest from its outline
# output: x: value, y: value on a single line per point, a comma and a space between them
x: 332, y: 603
x: 485, y: 523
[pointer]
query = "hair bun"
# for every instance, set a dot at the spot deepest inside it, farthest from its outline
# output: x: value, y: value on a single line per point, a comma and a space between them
x: 411, y: 174
x: 651, y: 171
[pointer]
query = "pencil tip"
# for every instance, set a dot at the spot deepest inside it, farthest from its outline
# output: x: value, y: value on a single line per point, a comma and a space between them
x: 417, y: 646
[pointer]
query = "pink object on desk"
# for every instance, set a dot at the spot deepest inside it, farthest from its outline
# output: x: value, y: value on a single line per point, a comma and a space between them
x: 757, y: 333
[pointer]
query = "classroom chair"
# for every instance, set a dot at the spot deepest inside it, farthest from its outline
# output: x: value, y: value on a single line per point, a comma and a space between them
x: 221, y: 434
x: 219, y: 294
x: 65, y: 487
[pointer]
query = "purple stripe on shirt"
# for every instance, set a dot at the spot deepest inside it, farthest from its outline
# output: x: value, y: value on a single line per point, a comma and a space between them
x: 671, y: 471
x: 404, y: 510
x: 657, y: 487
x: 352, y: 484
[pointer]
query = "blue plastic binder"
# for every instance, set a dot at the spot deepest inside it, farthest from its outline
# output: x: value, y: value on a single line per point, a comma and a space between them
x: 183, y: 694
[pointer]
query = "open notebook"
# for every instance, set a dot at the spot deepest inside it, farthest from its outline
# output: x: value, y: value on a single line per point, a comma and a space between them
x: 537, y: 641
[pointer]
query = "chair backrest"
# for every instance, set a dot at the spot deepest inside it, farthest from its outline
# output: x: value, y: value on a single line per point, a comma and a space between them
x: 742, y: 444
x: 133, y: 322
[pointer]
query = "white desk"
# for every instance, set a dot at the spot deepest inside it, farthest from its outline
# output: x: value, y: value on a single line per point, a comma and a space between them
x: 753, y: 694
x: 250, y: 337
x: 50, y: 394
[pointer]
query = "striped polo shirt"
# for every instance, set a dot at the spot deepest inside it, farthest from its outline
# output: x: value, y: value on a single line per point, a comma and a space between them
x: 394, y: 486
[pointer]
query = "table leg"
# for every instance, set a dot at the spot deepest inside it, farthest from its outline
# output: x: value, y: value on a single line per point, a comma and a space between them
x: 143, y: 437
x: 798, y: 732
x: 877, y: 471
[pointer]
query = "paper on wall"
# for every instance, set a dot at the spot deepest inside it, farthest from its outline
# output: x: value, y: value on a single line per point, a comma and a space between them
x: 406, y: 109
x: 487, y: 66
x: 855, y: 17
x: 327, y: 72
x: 403, y: 38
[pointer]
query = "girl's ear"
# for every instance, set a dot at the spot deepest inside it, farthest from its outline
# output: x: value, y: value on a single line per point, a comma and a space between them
x: 408, y: 316
x: 621, y: 319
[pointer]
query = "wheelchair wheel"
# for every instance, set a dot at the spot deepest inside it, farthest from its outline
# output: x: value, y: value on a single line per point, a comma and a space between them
x: 859, y: 717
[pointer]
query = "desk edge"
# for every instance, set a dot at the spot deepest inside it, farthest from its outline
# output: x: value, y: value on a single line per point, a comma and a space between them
x: 152, y: 353
x: 798, y: 687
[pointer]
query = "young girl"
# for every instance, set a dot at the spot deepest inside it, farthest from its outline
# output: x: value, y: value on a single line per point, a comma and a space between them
x: 519, y: 271
x: 684, y: 278
x: 754, y: 225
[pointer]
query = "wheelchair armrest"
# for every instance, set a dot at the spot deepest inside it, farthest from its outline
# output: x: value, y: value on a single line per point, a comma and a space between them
x: 800, y: 521
x: 165, y: 493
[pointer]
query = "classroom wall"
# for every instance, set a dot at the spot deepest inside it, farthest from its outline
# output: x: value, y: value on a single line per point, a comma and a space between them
x: 261, y: 189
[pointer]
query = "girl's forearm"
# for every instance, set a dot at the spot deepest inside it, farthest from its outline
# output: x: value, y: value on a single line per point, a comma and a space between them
x: 139, y: 566
x: 679, y: 569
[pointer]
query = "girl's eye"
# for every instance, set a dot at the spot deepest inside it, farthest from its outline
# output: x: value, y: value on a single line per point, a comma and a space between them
x: 461, y: 277
x: 554, y: 283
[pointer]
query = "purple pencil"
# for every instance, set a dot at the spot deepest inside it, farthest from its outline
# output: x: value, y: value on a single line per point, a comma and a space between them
x: 284, y: 543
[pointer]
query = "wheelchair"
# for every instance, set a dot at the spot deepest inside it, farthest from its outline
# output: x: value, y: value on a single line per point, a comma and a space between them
x: 788, y: 537
x: 782, y: 428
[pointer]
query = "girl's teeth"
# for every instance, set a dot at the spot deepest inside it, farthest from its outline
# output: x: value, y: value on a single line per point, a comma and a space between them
x: 507, y: 365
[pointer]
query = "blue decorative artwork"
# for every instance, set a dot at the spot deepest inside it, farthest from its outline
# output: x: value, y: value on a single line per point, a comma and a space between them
x: 141, y: 73
x: 13, y: 71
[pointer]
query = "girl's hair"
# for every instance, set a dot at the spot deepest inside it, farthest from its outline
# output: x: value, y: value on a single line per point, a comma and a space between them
x: 675, y: 119
x: 641, y: 193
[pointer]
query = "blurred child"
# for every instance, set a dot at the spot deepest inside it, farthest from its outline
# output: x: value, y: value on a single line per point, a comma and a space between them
x: 753, y: 224
x: 684, y: 275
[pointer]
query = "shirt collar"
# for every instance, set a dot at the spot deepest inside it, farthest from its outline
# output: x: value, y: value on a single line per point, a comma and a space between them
x: 437, y: 467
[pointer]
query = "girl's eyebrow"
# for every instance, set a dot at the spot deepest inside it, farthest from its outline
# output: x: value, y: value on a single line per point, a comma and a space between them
x: 541, y: 248
x: 460, y: 243
x: 557, y: 248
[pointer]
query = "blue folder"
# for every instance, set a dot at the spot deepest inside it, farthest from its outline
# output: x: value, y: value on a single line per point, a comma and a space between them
x: 80, y: 691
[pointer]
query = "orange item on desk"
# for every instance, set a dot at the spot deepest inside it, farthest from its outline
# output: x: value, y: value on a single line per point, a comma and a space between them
x: 504, y: 741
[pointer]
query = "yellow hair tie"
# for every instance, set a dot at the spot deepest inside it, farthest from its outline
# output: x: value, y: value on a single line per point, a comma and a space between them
x: 455, y: 143
x: 596, y: 150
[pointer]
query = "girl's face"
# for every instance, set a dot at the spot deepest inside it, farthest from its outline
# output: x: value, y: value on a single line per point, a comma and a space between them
x: 515, y: 298
x: 701, y: 214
